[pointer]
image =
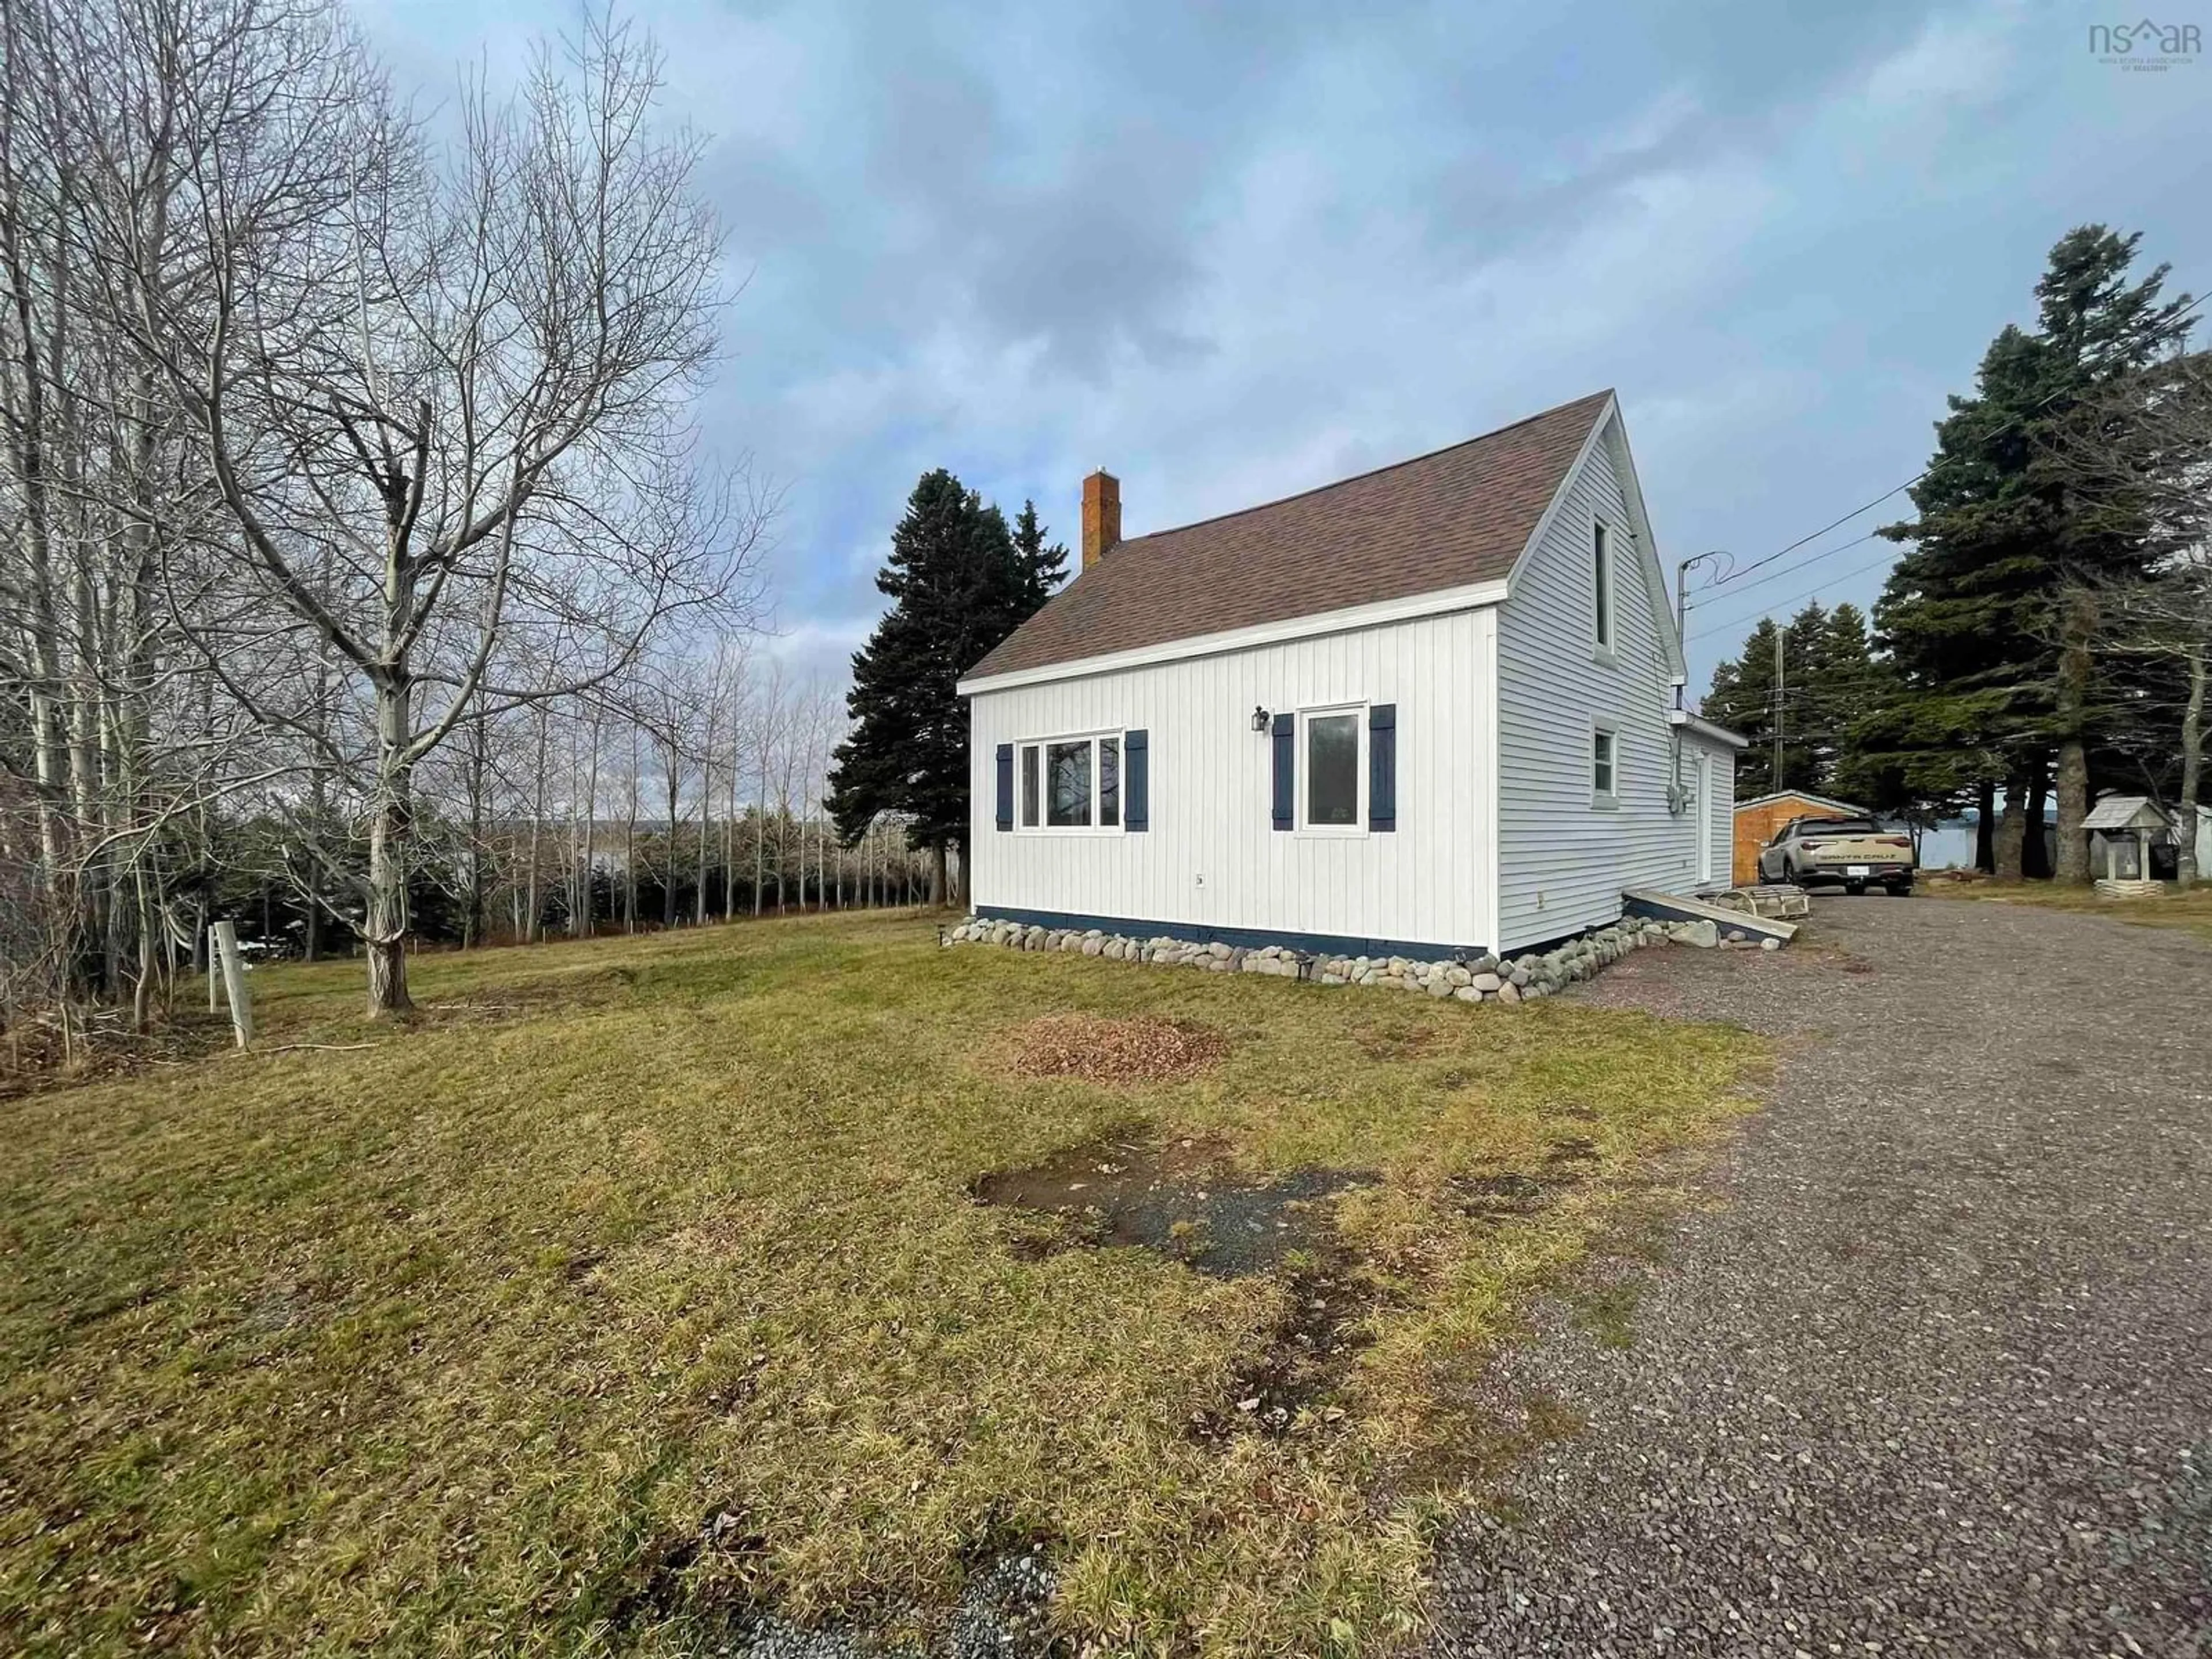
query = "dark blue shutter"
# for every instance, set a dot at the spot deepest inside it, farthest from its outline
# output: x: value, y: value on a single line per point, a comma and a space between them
x: 1383, y: 766
x: 1286, y: 728
x: 1006, y: 785
x: 1136, y: 781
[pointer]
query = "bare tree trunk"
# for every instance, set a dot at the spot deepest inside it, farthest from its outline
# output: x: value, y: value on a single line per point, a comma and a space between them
x: 730, y: 835
x: 532, y: 898
x: 2078, y: 628
x: 674, y: 782
x: 390, y: 825
x: 706, y: 833
x: 759, y: 833
x: 472, y: 913
x: 2192, y: 766
x: 2035, y: 846
x: 2012, y: 826
x: 581, y: 918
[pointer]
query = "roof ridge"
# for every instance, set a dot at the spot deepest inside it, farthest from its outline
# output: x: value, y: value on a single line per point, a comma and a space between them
x: 1372, y: 472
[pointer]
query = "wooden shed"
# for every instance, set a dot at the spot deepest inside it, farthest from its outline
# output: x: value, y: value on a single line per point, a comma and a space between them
x: 1757, y: 819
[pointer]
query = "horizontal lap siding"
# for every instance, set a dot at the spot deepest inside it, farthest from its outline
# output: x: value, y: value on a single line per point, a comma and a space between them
x: 1211, y: 856
x: 1563, y: 862
x: 1720, y: 814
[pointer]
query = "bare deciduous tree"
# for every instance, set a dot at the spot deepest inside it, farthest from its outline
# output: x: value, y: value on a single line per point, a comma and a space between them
x: 442, y: 393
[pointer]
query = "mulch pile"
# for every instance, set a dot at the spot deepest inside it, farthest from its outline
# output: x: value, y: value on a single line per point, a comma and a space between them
x: 1113, y: 1050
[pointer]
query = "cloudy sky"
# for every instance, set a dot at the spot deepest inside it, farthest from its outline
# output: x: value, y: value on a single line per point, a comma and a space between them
x: 1230, y: 252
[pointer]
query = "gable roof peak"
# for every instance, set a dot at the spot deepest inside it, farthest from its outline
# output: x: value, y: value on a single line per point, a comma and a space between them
x: 1454, y: 517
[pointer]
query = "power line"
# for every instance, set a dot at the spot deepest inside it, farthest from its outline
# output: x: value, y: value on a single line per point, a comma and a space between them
x: 1998, y: 431
x: 1753, y: 616
x: 1801, y: 564
x: 1737, y: 575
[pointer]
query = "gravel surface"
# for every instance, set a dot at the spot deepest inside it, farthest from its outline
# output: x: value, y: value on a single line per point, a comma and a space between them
x: 1935, y: 1375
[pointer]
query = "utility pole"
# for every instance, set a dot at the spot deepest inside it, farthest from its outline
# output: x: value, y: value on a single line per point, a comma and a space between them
x: 1682, y: 607
x: 1779, y: 707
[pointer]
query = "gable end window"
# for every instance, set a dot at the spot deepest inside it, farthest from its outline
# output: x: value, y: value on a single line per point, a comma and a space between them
x: 1071, y: 784
x: 1602, y: 581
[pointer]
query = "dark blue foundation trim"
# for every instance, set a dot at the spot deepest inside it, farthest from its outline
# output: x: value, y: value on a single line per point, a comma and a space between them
x: 1251, y: 939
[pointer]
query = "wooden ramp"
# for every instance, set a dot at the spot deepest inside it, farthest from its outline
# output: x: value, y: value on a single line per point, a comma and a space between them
x: 1725, y: 918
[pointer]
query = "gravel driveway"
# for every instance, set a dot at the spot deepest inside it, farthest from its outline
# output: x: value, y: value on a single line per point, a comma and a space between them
x: 1936, y: 1377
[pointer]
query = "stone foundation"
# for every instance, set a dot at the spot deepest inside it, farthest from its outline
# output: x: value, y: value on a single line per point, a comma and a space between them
x: 1485, y: 978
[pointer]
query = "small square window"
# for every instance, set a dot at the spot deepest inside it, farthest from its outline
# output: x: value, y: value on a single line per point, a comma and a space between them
x: 1601, y: 761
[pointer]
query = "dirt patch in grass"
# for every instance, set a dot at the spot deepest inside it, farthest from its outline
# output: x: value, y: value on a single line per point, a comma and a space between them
x: 1291, y: 1383
x: 1389, y: 1040
x: 1512, y: 1194
x: 1178, y: 1197
x: 1181, y: 1199
x: 1101, y: 1050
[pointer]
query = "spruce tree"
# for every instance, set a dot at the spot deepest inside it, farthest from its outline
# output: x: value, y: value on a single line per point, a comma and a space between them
x: 1043, y: 566
x: 1989, y: 618
x: 1748, y: 698
x: 958, y: 586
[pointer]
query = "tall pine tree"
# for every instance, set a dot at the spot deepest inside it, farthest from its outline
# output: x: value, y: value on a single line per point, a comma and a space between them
x: 1990, y: 617
x: 1043, y: 566
x: 959, y: 582
x: 1827, y: 676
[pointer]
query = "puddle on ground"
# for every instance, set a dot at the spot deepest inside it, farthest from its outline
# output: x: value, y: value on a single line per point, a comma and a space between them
x: 1181, y: 1199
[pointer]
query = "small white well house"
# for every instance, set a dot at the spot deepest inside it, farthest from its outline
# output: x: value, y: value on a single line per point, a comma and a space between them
x: 2123, y: 829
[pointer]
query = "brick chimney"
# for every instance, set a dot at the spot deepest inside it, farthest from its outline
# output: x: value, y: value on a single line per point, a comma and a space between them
x: 1102, y: 516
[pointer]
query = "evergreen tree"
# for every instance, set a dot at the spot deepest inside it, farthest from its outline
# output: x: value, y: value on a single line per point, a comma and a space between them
x: 1989, y: 618
x: 1043, y: 567
x: 1835, y: 705
x: 958, y: 584
x: 1748, y: 697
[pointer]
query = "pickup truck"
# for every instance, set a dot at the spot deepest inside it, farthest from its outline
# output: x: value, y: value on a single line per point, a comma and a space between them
x: 1857, y: 853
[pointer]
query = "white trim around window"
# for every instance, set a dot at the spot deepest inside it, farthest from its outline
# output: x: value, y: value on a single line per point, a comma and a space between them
x: 1605, y: 608
x: 1069, y: 785
x: 1320, y: 785
x: 1604, y: 763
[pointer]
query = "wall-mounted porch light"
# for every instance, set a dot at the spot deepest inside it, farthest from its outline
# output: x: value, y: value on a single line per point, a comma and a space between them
x: 1259, y: 718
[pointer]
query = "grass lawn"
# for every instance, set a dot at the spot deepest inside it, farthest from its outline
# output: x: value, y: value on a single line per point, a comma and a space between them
x: 2190, y: 911
x: 643, y: 1285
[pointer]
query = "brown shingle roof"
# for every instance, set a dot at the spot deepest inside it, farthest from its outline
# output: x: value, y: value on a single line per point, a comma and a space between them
x: 1445, y: 520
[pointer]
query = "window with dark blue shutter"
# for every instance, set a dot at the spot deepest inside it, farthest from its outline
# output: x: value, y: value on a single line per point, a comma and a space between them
x: 1287, y: 738
x: 1383, y: 766
x: 1136, y: 781
x: 1006, y: 785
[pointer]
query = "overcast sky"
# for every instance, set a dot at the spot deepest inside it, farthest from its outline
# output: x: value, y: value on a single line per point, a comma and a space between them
x: 1228, y: 252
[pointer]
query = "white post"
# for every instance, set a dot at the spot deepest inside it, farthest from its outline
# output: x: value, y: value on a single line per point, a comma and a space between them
x: 233, y: 982
x: 214, y: 968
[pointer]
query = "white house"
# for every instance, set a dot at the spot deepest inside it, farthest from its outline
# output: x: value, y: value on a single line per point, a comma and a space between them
x: 1429, y: 709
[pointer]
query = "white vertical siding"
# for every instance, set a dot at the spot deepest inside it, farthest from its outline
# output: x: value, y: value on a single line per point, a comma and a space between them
x: 1212, y: 857
x: 1562, y: 860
